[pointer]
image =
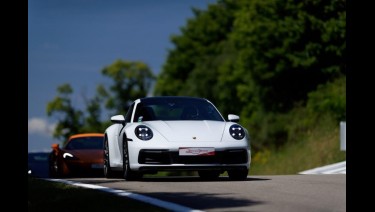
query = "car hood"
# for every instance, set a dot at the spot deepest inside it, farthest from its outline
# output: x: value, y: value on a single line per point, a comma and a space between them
x: 182, y: 131
x: 94, y: 156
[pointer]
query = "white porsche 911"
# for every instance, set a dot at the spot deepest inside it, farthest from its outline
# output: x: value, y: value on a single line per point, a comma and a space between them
x: 176, y: 133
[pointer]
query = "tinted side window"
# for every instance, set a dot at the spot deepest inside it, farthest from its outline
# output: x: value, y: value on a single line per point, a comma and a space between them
x: 129, y: 113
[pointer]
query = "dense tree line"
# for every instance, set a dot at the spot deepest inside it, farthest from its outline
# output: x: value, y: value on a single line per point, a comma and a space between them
x: 273, y: 62
x: 260, y: 59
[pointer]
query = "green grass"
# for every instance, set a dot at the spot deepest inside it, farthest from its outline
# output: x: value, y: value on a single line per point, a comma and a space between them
x: 53, y: 196
x: 320, y: 147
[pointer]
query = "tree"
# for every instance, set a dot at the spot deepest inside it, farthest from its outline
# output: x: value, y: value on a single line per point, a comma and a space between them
x: 129, y: 81
x: 259, y: 58
x: 199, y: 53
x: 70, y: 120
x: 288, y: 48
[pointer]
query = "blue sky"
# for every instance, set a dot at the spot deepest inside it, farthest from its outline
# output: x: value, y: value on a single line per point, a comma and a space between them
x: 70, y: 41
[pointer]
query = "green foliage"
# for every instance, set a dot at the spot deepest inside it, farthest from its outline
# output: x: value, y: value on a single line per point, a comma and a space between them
x: 329, y: 99
x: 130, y: 80
x: 284, y: 51
x: 325, y: 105
x: 193, y: 65
x: 93, y: 121
x: 319, y: 147
x: 70, y: 119
x: 267, y: 60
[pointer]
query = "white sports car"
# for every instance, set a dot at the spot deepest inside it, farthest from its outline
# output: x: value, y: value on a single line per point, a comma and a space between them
x: 176, y: 133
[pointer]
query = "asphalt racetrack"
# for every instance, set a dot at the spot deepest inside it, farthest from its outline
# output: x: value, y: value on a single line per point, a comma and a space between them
x: 257, y: 193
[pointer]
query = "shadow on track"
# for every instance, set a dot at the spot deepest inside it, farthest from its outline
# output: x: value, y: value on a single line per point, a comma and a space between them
x: 194, y: 179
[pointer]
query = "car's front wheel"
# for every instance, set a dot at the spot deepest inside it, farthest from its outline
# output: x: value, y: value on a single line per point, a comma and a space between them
x: 108, y: 173
x: 54, y: 168
x: 238, y: 174
x: 127, y: 172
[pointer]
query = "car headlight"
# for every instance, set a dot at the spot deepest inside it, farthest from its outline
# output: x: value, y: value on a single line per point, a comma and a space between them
x: 143, y: 132
x: 237, y: 132
x: 67, y: 155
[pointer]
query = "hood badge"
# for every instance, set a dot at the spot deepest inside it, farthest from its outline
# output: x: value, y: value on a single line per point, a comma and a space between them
x: 194, y: 137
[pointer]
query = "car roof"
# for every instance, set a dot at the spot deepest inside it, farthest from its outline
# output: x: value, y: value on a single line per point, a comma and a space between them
x: 172, y: 97
x: 80, y: 135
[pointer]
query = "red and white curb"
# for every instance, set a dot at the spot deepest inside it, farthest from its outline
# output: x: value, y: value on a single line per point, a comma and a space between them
x: 160, y: 203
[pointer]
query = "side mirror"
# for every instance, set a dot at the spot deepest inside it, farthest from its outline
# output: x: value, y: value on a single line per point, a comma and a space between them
x: 233, y: 118
x: 55, y: 146
x: 118, y: 119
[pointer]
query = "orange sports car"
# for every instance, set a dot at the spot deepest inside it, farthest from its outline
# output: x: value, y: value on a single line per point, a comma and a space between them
x: 81, y: 155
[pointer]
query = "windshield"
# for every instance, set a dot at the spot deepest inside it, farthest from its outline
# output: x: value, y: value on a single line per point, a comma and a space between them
x: 85, y: 143
x: 175, y: 108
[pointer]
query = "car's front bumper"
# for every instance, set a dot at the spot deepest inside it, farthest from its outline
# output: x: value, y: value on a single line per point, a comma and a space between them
x: 164, y: 159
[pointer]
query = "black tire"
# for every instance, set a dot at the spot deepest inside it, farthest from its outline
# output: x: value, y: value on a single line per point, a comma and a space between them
x: 128, y: 174
x: 108, y: 173
x: 208, y: 174
x: 238, y: 174
x: 54, y: 170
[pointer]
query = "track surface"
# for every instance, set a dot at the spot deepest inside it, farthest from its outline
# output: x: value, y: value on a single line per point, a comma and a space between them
x: 257, y: 193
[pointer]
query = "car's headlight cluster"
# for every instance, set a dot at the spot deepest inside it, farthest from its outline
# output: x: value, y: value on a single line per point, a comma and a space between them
x: 237, y: 132
x: 67, y: 155
x: 143, y: 132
